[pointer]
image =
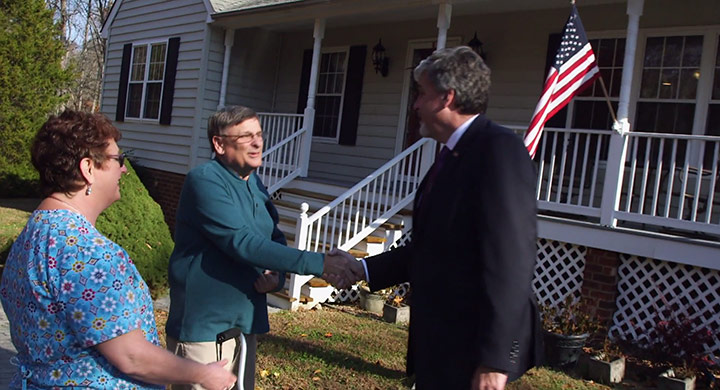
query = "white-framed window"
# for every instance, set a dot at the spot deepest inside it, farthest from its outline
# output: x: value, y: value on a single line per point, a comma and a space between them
x: 668, y: 90
x: 330, y: 94
x: 590, y: 109
x: 145, y: 83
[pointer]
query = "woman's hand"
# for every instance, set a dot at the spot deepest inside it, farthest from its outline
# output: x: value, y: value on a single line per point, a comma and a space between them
x: 266, y: 282
x: 216, y: 377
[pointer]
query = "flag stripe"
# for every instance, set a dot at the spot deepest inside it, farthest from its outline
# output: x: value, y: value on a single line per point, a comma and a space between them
x: 573, y: 70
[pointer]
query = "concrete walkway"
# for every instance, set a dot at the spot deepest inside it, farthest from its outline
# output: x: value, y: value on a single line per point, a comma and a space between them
x: 7, y: 350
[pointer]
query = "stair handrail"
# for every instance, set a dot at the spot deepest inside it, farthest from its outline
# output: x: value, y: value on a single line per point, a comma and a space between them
x: 406, y: 169
x: 281, y: 162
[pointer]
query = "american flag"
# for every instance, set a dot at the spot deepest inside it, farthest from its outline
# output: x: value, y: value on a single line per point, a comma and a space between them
x: 574, y: 70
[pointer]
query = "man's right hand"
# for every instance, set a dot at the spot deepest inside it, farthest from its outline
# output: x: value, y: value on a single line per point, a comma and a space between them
x: 341, y: 269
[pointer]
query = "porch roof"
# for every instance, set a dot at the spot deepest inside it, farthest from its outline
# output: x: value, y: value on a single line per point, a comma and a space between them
x: 220, y: 6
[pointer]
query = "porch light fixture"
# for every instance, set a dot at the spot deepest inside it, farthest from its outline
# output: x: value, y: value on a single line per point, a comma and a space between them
x: 380, y: 62
x: 477, y: 46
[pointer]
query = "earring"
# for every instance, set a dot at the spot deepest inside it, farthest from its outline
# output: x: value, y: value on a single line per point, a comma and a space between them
x: 88, y: 191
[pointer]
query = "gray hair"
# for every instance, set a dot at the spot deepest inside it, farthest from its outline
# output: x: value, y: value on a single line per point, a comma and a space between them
x: 463, y: 71
x: 226, y: 117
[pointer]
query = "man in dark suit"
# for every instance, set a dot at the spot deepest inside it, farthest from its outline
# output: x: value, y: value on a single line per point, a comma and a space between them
x: 470, y: 263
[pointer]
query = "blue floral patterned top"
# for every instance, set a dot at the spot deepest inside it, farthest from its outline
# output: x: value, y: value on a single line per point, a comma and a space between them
x: 65, y: 289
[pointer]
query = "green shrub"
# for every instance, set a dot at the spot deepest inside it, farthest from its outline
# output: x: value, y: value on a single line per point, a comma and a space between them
x: 136, y: 223
x: 34, y: 84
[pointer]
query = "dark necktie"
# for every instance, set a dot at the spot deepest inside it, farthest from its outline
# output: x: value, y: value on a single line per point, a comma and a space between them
x: 432, y: 176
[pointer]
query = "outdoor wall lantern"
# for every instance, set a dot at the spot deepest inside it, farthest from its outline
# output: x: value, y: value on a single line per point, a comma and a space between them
x: 477, y: 46
x: 380, y: 62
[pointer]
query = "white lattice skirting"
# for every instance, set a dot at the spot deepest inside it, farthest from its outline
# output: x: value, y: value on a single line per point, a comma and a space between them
x: 558, y: 272
x: 648, y: 287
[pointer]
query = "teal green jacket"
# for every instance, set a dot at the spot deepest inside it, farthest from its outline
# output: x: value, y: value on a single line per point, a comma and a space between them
x: 226, y: 235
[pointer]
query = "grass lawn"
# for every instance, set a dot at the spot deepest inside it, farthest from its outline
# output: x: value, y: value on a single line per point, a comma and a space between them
x: 342, y: 347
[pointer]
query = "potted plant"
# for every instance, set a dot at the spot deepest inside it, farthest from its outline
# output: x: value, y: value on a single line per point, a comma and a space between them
x: 606, y: 366
x: 566, y: 329
x: 372, y: 301
x: 680, y: 345
x: 395, y: 310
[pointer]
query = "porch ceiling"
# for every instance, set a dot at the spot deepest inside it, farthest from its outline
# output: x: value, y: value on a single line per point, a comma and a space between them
x: 288, y: 15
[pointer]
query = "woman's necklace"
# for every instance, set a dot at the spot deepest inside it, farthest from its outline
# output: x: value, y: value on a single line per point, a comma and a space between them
x: 66, y: 204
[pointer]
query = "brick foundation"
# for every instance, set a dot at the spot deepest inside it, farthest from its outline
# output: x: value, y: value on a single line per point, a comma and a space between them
x: 164, y: 187
x: 599, y: 289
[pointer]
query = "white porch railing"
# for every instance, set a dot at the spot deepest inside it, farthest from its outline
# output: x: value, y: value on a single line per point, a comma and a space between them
x: 351, y: 217
x: 666, y: 180
x: 283, y: 138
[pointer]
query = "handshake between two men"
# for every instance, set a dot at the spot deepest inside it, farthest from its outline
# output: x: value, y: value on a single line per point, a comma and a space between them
x: 341, y: 269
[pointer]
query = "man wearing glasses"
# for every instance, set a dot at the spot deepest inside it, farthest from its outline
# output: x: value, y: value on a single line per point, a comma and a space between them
x: 229, y: 251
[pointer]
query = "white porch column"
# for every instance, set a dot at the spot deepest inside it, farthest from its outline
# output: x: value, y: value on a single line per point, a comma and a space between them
x: 443, y: 24
x: 619, y: 139
x: 309, y: 113
x: 634, y: 11
x: 229, y: 41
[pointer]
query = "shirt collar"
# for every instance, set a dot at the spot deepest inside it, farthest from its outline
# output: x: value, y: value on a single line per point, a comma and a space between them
x: 458, y: 133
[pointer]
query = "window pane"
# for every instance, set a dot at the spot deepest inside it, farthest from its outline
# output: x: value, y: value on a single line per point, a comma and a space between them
x: 615, y: 83
x: 649, y: 86
x: 605, y: 52
x: 157, y: 62
x: 326, y: 116
x: 693, y: 51
x: 684, y: 117
x: 138, y: 63
x: 713, y: 123
x: 322, y: 83
x: 339, y: 83
x: 619, y: 52
x: 646, y: 117
x: 152, y: 101
x: 653, y: 51
x: 582, y: 114
x: 716, y: 83
x: 324, y: 63
x: 134, y: 100
x: 688, y: 83
x: 673, y: 51
x: 669, y: 84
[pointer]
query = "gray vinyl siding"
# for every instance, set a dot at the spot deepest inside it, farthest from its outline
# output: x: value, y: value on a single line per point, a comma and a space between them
x: 159, y: 146
x: 211, y: 99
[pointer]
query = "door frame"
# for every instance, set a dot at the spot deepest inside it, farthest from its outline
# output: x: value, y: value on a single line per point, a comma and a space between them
x: 413, y: 44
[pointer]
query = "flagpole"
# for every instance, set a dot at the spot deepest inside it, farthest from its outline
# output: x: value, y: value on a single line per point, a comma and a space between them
x: 607, y: 99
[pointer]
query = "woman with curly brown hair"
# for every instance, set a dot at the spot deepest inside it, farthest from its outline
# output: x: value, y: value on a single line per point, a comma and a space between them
x: 80, y: 314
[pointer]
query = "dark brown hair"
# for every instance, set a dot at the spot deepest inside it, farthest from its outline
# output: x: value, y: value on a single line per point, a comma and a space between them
x: 63, y: 141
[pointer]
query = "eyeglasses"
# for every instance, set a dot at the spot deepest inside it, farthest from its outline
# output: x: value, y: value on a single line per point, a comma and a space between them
x: 119, y: 157
x: 243, y: 138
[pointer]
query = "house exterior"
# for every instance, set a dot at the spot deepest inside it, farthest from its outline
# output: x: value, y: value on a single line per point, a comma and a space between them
x: 629, y: 219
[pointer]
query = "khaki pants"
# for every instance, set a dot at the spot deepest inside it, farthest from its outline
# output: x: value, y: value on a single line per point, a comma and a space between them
x: 204, y: 352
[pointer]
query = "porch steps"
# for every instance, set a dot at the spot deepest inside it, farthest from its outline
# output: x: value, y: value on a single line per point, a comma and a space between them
x: 317, y: 196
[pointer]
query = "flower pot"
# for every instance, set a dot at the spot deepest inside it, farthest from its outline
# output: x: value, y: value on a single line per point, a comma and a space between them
x: 668, y: 381
x: 371, y: 302
x: 605, y: 372
x: 562, y: 351
x: 396, y: 315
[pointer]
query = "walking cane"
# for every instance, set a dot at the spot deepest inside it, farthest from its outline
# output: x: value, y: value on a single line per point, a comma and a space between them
x: 233, y: 333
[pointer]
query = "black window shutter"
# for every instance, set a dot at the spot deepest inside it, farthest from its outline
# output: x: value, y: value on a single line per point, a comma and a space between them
x: 123, y: 86
x: 353, y: 93
x: 304, y: 81
x: 169, y: 81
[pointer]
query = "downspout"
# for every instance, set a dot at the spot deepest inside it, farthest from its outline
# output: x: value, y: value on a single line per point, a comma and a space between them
x: 229, y: 41
x: 443, y: 23
x: 619, y: 138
